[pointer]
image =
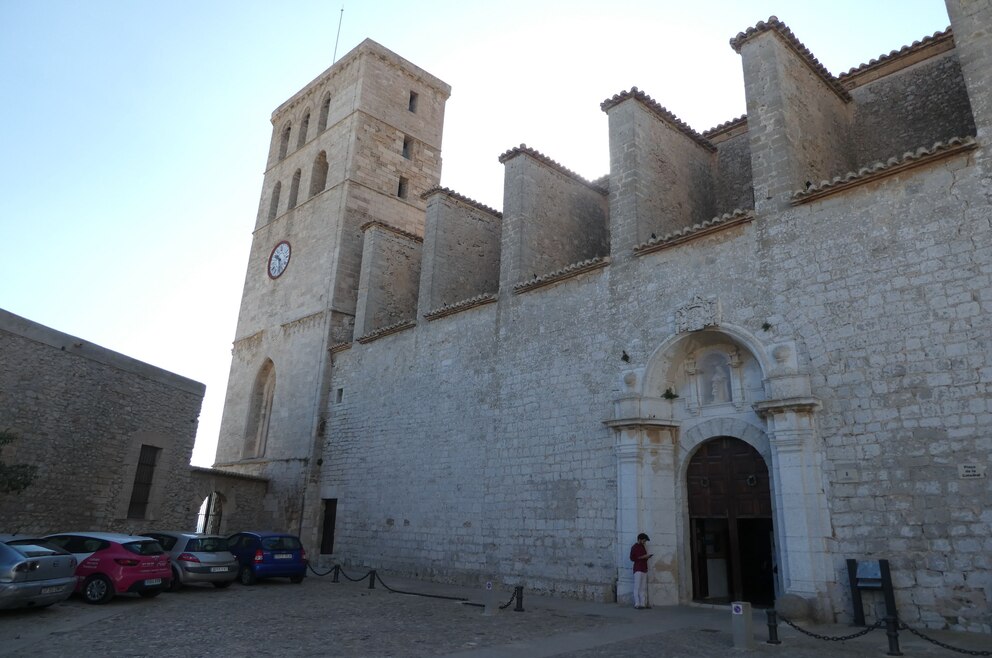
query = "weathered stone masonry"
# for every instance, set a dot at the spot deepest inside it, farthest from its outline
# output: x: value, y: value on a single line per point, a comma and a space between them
x: 526, y: 391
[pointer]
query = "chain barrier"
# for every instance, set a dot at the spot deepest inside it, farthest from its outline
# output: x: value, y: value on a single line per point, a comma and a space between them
x: 904, y: 627
x: 518, y: 592
x: 835, y: 638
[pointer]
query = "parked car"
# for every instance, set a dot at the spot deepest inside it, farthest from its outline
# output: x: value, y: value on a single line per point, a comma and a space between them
x: 34, y: 573
x: 111, y: 563
x: 268, y: 555
x: 197, y: 558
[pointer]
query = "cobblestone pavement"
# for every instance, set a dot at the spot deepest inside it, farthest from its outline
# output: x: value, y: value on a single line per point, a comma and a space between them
x: 322, y: 618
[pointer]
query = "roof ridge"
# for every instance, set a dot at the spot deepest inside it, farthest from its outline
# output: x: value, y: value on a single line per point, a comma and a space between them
x: 660, y: 111
x: 392, y: 229
x: 437, y: 189
x: 919, y: 44
x: 537, y: 155
x: 773, y: 24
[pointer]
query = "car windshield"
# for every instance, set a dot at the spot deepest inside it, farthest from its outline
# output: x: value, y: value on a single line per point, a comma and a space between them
x: 147, y: 547
x: 281, y: 544
x: 207, y: 545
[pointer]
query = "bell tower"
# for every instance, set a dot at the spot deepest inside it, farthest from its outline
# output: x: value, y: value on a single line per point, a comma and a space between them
x: 360, y: 143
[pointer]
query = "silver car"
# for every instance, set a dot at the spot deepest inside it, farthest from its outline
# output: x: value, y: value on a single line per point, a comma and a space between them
x: 33, y: 573
x: 197, y: 558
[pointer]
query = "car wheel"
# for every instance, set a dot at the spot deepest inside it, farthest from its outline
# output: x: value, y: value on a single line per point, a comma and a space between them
x: 149, y: 593
x: 222, y: 585
x: 98, y: 589
x: 296, y: 579
x: 246, y: 576
x: 176, y: 584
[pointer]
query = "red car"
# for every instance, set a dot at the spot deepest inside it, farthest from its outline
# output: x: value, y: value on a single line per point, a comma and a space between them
x: 111, y: 564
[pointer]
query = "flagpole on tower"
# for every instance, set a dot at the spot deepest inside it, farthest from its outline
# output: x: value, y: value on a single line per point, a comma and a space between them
x: 334, y: 58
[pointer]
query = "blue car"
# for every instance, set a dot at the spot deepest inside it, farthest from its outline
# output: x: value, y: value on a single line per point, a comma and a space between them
x: 268, y: 555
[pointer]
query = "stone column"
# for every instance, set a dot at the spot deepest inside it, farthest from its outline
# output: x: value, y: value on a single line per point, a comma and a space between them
x: 646, y: 502
x: 801, y: 515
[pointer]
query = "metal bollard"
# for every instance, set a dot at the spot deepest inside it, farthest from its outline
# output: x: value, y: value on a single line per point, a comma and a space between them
x: 337, y: 572
x: 372, y: 579
x: 892, y: 632
x: 772, y: 627
x: 518, y: 594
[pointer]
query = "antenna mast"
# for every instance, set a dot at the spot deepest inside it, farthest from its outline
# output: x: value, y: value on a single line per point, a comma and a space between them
x: 334, y: 58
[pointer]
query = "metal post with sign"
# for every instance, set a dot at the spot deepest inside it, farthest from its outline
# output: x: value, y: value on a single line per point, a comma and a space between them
x: 870, y: 575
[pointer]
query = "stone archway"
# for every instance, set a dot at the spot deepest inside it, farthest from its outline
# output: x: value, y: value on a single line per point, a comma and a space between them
x: 713, y: 381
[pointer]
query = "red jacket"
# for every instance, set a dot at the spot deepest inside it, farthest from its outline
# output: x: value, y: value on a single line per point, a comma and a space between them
x: 639, y: 556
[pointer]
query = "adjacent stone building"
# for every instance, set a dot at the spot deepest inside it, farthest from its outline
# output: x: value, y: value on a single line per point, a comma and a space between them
x: 109, y: 437
x: 767, y: 344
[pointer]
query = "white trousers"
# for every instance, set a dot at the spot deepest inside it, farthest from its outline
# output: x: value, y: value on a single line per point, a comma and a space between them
x: 640, y: 589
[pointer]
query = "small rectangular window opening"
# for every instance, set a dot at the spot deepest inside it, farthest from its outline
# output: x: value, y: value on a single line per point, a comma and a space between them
x: 339, y: 395
x: 401, y: 189
x: 413, y: 101
x: 141, y: 492
x: 407, y: 146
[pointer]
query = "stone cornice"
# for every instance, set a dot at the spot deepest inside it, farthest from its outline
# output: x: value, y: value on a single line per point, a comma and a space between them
x: 458, y: 307
x: 736, y: 218
x: 896, y: 60
x: 339, y: 347
x: 437, y: 189
x: 894, y: 165
x: 523, y: 149
x: 798, y: 404
x: 773, y: 24
x: 396, y: 327
x: 659, y: 111
x: 392, y: 229
x: 227, y: 474
x: 639, y: 423
x: 566, y: 272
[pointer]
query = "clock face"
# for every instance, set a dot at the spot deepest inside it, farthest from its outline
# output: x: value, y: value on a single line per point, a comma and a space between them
x: 279, y: 259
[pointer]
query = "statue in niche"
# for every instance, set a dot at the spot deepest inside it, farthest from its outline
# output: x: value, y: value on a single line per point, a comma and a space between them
x: 715, y: 384
x: 718, y: 387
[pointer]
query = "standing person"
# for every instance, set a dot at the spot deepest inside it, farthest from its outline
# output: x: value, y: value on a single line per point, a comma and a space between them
x: 639, y: 556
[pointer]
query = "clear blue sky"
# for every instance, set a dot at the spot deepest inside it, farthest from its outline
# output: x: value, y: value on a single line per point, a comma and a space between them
x: 133, y: 134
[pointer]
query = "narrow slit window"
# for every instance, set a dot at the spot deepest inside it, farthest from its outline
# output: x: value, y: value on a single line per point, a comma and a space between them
x: 339, y: 395
x: 413, y: 101
x: 407, y: 147
x: 402, y: 188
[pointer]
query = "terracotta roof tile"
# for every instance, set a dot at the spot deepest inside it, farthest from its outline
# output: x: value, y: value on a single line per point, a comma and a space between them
x: 385, y: 331
x: 464, y: 305
x: 566, y: 272
x: 773, y: 24
x: 537, y: 155
x: 893, y: 165
x: 943, y: 37
x: 659, y: 111
x: 437, y: 189
x: 738, y: 216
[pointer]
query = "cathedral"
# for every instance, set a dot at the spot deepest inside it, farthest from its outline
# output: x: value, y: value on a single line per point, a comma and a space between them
x: 767, y: 345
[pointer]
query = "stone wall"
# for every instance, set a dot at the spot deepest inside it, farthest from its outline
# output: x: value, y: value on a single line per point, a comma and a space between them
x: 81, y: 414
x: 390, y: 280
x: 463, y: 261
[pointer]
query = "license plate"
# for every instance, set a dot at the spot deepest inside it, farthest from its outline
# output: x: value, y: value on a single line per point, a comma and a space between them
x: 52, y: 590
x: 283, y: 556
x: 218, y: 569
x: 153, y: 581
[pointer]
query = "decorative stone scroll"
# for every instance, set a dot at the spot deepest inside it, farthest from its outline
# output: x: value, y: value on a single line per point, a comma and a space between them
x: 698, y: 314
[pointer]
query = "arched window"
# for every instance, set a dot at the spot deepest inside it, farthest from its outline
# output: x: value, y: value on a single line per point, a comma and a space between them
x: 274, y: 203
x: 260, y: 411
x: 304, y: 127
x: 284, y: 141
x: 318, y: 178
x: 294, y: 190
x: 325, y: 109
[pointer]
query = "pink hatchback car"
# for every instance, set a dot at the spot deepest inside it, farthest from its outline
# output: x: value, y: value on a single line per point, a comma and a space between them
x: 112, y: 563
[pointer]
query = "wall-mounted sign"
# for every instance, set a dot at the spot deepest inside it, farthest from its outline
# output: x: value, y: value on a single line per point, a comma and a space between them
x: 971, y: 471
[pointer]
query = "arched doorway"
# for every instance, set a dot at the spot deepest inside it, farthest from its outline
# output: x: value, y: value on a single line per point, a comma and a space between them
x: 730, y: 518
